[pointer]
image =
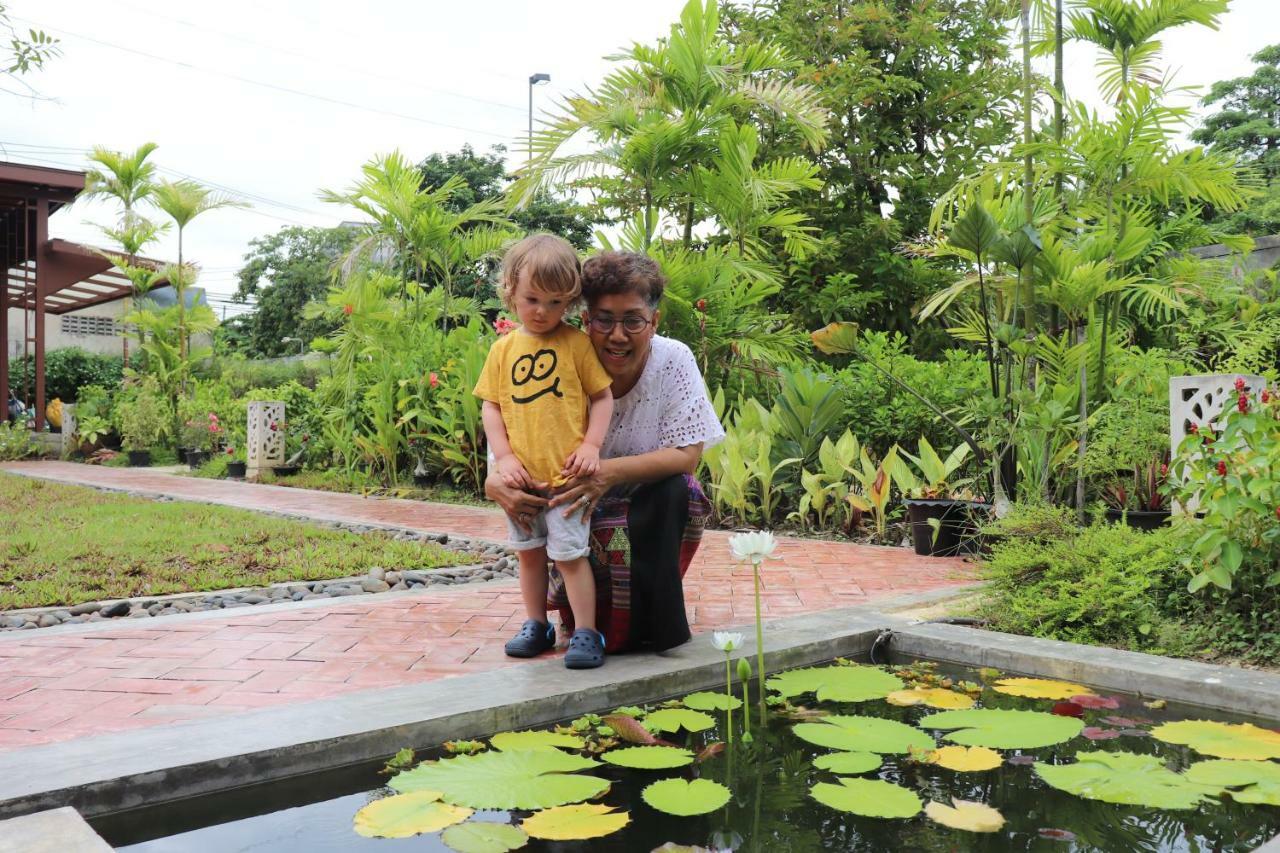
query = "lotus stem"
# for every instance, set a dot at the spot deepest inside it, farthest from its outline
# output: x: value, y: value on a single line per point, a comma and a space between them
x: 744, y: 675
x: 755, y: 572
x: 728, y: 691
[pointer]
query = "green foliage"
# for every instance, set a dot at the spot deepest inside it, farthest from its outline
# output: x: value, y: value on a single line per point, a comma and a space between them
x: 92, y: 547
x: 65, y: 370
x: 240, y: 374
x: 1126, y: 778
x: 15, y: 442
x: 1003, y: 729
x: 1107, y: 585
x: 143, y: 416
x: 1125, y: 458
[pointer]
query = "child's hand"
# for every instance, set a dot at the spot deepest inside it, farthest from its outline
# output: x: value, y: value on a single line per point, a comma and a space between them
x: 583, y: 462
x: 513, y: 474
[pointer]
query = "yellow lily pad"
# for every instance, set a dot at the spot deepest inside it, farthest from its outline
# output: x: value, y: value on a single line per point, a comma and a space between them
x: 1040, y: 688
x: 404, y: 815
x: 932, y: 697
x: 1222, y: 740
x: 962, y: 814
x: 965, y: 759
x: 571, y: 823
x: 510, y: 741
x: 477, y: 837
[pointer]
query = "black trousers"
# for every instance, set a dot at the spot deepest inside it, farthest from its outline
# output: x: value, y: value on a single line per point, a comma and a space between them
x: 656, y: 521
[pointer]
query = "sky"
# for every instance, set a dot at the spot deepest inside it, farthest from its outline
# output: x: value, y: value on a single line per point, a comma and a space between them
x: 272, y: 100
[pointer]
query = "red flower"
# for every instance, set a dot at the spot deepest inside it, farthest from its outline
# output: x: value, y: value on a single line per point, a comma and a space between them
x: 701, y: 305
x: 1222, y: 468
x: 1239, y: 383
x: 1278, y: 512
x: 348, y: 309
x: 1164, y: 470
x: 274, y: 426
x: 503, y: 325
x: 433, y: 380
x: 1266, y: 395
x: 231, y: 451
x: 1243, y: 403
x: 1193, y: 429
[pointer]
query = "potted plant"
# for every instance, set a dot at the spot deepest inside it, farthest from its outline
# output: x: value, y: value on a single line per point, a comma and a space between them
x: 201, y: 436
x: 237, y: 463
x: 940, y: 509
x: 1125, y: 462
x: 296, y: 445
x: 143, y: 422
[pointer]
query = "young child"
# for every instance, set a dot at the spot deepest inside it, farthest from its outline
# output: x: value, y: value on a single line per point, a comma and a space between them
x: 546, y: 409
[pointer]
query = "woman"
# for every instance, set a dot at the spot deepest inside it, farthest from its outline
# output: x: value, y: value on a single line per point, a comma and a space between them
x: 646, y: 508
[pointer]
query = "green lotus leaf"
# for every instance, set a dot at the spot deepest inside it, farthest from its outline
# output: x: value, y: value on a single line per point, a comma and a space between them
x: 1258, y: 781
x: 686, y: 798
x: 649, y: 757
x: 1125, y: 778
x: 477, y: 837
x: 712, y: 702
x: 1222, y: 740
x: 1001, y: 729
x: 867, y: 797
x: 511, y: 741
x: 523, y: 779
x: 850, y: 763
x: 407, y: 814
x: 675, y: 719
x: 836, y: 683
x: 864, y: 734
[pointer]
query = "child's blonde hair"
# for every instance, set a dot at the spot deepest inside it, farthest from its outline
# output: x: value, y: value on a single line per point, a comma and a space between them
x: 552, y: 263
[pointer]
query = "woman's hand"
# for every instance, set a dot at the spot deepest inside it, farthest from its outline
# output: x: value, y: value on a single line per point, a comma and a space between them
x: 519, y: 505
x: 582, y: 494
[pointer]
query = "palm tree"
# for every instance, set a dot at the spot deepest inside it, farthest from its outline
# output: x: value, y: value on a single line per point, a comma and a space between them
x: 183, y: 201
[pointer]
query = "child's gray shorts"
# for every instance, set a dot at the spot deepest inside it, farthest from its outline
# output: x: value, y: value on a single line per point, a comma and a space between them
x: 565, y: 538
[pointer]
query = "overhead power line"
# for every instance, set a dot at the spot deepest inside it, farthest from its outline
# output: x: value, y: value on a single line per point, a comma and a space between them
x: 261, y: 83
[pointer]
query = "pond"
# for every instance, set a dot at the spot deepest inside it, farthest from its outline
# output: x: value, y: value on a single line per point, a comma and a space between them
x: 783, y: 789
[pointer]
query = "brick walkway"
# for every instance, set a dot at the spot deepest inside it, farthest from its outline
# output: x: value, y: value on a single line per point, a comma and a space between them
x: 61, y: 686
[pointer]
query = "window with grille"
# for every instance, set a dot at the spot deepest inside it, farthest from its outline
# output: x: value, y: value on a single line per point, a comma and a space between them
x: 82, y: 324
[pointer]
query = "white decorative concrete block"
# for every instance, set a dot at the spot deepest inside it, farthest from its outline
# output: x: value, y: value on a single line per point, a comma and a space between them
x: 264, y: 446
x: 1200, y: 400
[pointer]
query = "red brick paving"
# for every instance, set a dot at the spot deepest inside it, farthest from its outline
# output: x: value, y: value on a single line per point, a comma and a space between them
x: 56, y: 687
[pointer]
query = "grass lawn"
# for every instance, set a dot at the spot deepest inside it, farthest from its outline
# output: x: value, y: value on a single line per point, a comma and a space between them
x: 61, y: 545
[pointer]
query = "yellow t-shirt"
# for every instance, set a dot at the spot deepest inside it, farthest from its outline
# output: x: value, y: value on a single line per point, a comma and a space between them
x: 543, y: 383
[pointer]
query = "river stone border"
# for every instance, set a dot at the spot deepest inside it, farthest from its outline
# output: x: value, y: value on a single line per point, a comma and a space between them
x: 496, y: 562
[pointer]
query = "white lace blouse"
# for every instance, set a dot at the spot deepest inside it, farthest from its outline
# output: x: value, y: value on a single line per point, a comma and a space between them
x: 668, y: 407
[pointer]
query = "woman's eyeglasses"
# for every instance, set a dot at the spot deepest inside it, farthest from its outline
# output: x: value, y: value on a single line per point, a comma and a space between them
x: 632, y: 324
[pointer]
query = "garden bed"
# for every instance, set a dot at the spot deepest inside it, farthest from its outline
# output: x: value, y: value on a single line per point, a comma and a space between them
x: 70, y: 547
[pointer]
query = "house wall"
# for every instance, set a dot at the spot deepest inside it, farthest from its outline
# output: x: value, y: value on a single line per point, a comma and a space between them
x: 93, y: 329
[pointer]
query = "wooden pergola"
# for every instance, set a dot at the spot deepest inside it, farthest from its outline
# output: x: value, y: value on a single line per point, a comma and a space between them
x: 44, y: 276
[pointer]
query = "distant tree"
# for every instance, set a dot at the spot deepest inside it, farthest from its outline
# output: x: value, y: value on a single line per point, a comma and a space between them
x: 23, y: 52
x: 285, y: 271
x: 486, y: 177
x: 921, y: 94
x: 1249, y: 126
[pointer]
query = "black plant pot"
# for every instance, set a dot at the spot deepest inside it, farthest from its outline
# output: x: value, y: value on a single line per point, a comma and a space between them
x: 196, y: 458
x: 956, y: 531
x: 237, y: 470
x: 1139, y: 519
x: 422, y: 480
x: 140, y: 458
x: 286, y: 470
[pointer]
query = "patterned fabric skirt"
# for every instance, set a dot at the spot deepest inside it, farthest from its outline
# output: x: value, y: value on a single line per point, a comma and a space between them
x: 641, y: 546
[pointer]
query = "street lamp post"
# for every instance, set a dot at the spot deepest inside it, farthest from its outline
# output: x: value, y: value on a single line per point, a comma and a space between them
x: 534, y: 79
x: 302, y: 345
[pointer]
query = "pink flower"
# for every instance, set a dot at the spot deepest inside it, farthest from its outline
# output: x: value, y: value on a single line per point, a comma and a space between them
x: 433, y: 380
x: 274, y: 426
x: 1239, y: 384
x: 231, y: 451
x: 503, y: 325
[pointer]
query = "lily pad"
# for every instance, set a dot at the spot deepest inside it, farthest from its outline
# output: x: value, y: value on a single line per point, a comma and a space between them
x: 712, y: 702
x: 1222, y: 740
x: 571, y: 823
x: 524, y: 779
x: 848, y: 763
x: 686, y: 798
x: 405, y: 815
x: 966, y: 759
x: 868, y: 797
x: 675, y: 719
x: 1040, y: 688
x: 484, y: 837
x: 864, y: 734
x: 962, y: 814
x: 510, y: 741
x: 629, y: 729
x: 1258, y: 782
x: 932, y: 697
x: 1088, y: 700
x: 836, y: 683
x: 649, y: 757
x: 1096, y: 733
x: 1125, y: 778
x: 1003, y: 729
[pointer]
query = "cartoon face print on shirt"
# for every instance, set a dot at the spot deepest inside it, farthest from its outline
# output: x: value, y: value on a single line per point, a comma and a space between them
x: 536, y: 367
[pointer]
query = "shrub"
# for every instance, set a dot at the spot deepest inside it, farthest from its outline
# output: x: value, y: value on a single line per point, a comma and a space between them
x: 1102, y: 585
x: 15, y: 442
x: 66, y: 370
x: 240, y: 375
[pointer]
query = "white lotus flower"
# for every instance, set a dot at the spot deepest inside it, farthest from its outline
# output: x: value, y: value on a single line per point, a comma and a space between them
x: 754, y: 546
x: 725, y: 641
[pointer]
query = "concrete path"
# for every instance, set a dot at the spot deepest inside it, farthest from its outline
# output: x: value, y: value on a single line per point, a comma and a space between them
x: 59, y: 684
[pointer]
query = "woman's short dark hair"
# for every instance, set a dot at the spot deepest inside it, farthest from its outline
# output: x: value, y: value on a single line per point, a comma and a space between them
x: 610, y: 273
